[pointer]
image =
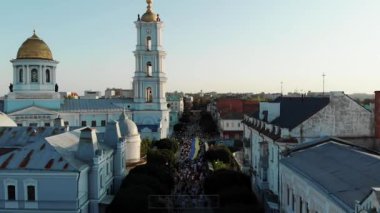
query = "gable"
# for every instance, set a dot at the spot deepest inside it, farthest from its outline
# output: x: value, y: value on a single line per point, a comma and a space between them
x: 33, y: 110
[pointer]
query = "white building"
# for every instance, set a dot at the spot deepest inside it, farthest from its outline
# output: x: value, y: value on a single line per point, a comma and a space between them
x: 88, y: 94
x: 370, y: 203
x: 328, y: 175
x: 34, y: 99
x: 118, y: 93
x: 230, y: 126
x: 51, y: 169
x: 289, y: 121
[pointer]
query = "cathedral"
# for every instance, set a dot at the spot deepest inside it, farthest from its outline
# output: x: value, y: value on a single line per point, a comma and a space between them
x: 34, y: 98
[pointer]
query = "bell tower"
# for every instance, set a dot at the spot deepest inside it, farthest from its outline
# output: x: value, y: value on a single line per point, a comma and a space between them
x: 149, y: 81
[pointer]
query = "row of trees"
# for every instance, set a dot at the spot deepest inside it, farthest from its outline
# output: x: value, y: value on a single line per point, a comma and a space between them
x: 207, y: 124
x: 233, y: 187
x: 156, y: 177
x: 234, y: 190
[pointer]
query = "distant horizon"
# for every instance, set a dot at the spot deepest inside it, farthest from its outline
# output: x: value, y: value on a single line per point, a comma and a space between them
x: 246, y: 46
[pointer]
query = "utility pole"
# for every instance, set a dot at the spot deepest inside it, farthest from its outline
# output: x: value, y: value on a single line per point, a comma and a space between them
x: 323, y: 79
x: 281, y: 87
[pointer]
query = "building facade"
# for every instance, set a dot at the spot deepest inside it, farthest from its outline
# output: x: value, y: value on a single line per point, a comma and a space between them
x: 289, y: 121
x: 52, y: 169
x: 34, y: 99
x: 328, y: 175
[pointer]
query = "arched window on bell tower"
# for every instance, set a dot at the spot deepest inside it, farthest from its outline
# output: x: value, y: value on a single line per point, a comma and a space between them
x: 149, y: 95
x: 148, y: 43
x: 149, y: 69
x: 20, y: 76
x: 47, y: 76
x: 34, y: 76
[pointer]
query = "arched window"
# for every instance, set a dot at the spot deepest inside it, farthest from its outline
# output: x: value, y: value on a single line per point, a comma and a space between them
x: 47, y: 76
x: 148, y: 43
x: 149, y: 95
x: 34, y: 76
x: 149, y: 69
x: 20, y: 76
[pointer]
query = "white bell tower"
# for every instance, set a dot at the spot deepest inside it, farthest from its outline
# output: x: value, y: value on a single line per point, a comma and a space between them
x: 149, y: 81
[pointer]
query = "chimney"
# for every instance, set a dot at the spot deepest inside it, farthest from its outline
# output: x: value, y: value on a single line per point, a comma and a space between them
x: 112, y: 135
x: 88, y: 145
x: 58, y: 122
x: 377, y: 114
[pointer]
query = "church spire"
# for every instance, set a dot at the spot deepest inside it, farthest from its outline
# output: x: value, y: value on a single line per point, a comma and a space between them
x: 149, y: 7
x: 149, y: 15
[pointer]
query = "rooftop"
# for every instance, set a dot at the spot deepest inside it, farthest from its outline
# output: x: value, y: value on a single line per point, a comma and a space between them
x: 295, y: 110
x: 342, y: 171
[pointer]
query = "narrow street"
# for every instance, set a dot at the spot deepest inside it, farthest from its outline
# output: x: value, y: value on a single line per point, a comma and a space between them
x: 191, y: 172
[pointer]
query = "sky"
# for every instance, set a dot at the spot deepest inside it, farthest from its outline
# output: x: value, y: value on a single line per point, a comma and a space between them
x: 212, y: 45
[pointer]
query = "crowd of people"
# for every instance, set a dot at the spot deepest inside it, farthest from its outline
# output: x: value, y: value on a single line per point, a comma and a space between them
x: 190, y: 173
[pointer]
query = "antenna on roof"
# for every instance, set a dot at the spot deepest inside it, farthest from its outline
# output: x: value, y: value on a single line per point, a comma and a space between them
x: 323, y: 79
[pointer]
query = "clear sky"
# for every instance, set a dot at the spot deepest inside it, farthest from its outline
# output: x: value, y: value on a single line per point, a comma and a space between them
x: 212, y: 45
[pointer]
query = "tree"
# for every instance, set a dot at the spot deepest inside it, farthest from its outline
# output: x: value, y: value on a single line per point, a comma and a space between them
x: 145, y: 146
x: 219, y: 165
x: 131, y: 199
x: 161, y: 173
x: 180, y: 127
x: 161, y: 157
x: 234, y: 190
x: 219, y: 153
x: 166, y: 143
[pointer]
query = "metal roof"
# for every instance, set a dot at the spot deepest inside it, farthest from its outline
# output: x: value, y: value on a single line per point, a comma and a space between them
x: 295, y: 110
x: 96, y: 105
x: 345, y: 173
x: 42, y: 148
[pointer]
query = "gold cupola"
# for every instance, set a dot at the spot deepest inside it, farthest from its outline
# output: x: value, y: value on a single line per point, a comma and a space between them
x: 34, y: 48
x: 149, y: 15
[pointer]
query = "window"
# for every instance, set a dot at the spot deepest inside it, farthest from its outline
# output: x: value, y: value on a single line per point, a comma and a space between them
x: 34, y: 76
x: 47, y: 76
x: 103, y: 123
x: 20, y: 76
x: 300, y: 210
x: 33, y: 124
x: 66, y: 123
x: 149, y: 69
x: 19, y: 124
x: 148, y: 43
x: 227, y: 124
x: 93, y: 123
x: 84, y: 123
x: 11, y: 192
x: 47, y: 124
x: 307, y: 208
x: 288, y: 195
x: 31, y: 193
x: 293, y: 201
x: 149, y: 95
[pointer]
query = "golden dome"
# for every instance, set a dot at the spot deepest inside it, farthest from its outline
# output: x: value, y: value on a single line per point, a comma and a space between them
x: 149, y: 15
x: 34, y: 48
